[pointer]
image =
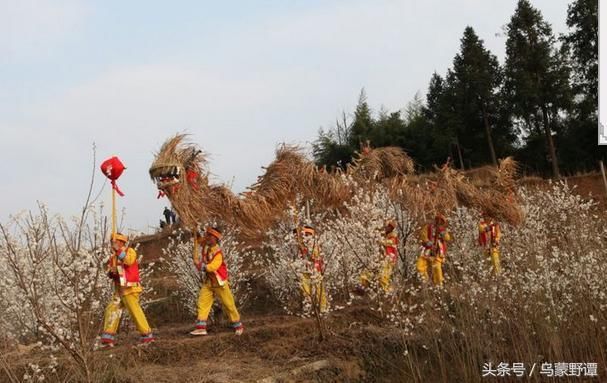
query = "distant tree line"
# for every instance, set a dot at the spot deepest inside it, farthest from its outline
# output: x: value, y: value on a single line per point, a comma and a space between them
x: 541, y: 105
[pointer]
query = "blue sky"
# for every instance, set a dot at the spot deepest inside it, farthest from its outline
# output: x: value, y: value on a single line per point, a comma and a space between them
x: 239, y: 76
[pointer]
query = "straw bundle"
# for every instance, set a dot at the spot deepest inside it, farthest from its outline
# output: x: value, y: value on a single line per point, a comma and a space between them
x: 381, y: 163
x: 497, y: 198
x: 292, y: 175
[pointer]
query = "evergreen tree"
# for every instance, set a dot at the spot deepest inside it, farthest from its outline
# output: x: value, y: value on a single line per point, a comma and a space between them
x: 476, y: 78
x: 580, y: 148
x: 439, y: 128
x: 435, y: 91
x: 583, y: 44
x: 362, y: 125
x: 332, y: 148
x: 387, y: 128
x: 536, y: 81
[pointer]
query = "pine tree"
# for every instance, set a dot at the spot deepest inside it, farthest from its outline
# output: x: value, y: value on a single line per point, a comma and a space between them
x: 583, y: 44
x: 581, y: 151
x: 432, y: 110
x: 387, y: 128
x: 536, y: 82
x: 362, y: 125
x: 332, y: 148
x: 440, y: 127
x: 476, y: 78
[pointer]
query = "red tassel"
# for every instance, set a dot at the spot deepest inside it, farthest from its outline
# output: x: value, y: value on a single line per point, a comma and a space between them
x: 115, y: 187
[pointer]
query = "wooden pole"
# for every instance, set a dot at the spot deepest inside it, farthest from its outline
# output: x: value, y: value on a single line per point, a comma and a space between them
x: 604, y: 177
x: 113, y: 212
x: 195, y: 253
x: 195, y: 247
x: 308, y: 212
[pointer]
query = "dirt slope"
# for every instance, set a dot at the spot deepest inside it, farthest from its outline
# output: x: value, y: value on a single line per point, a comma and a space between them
x: 274, y: 348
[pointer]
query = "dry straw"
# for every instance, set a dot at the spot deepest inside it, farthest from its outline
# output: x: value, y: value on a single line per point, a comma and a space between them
x: 180, y: 170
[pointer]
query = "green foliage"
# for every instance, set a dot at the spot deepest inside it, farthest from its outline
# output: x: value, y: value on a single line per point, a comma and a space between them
x: 542, y: 104
x: 473, y: 84
x: 361, y: 128
x: 536, y: 81
x: 332, y: 148
x: 582, y: 44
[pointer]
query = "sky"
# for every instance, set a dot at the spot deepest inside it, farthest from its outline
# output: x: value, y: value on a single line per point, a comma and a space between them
x: 240, y: 77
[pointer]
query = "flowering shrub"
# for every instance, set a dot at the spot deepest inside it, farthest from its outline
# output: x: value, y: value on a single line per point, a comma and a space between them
x: 550, y: 294
x: 552, y: 284
x: 349, y: 241
x: 552, y: 280
x: 54, y: 284
x: 549, y: 263
x: 178, y: 256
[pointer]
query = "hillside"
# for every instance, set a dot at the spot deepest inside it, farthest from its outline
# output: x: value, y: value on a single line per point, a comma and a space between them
x: 424, y: 334
x: 274, y: 348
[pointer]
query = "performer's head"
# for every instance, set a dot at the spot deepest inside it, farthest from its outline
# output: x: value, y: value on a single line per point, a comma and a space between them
x: 119, y: 241
x: 440, y: 220
x: 213, y: 235
x: 389, y: 226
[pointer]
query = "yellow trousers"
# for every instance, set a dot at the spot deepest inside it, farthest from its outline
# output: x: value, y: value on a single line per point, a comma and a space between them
x: 128, y: 298
x: 308, y: 288
x: 384, y: 277
x: 435, y: 264
x: 493, y: 254
x: 207, y: 295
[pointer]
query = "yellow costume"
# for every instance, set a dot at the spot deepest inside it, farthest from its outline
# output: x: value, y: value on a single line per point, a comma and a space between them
x: 124, y: 270
x: 211, y: 261
x: 433, y: 238
x: 315, y: 264
x: 390, y: 249
x: 489, y: 235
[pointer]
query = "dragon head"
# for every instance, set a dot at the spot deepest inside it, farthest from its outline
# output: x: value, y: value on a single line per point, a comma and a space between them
x: 179, y: 172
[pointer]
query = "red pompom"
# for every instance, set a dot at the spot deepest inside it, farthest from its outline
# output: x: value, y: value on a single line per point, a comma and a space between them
x: 112, y: 168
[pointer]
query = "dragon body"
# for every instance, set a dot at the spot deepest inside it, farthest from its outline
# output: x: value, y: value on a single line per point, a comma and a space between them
x: 181, y: 174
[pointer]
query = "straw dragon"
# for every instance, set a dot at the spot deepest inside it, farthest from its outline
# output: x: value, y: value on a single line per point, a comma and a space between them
x: 180, y: 172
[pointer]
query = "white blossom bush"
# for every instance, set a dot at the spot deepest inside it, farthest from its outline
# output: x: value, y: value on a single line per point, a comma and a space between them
x: 552, y: 280
x: 54, y: 285
x: 38, y: 373
x: 354, y: 237
x: 178, y: 258
x: 552, y: 285
x: 549, y: 262
x: 350, y: 243
x: 558, y: 257
x: 16, y: 324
